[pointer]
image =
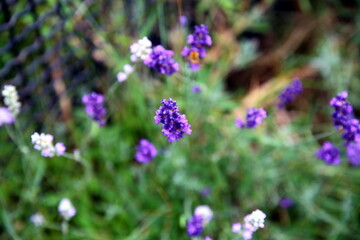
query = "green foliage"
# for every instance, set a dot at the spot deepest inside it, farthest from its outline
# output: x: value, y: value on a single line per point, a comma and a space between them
x: 118, y: 198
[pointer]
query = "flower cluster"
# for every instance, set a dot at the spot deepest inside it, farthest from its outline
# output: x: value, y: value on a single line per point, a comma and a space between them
x: 146, y: 151
x: 11, y: 99
x: 202, y: 216
x: 66, y: 209
x: 252, y: 222
x: 175, y: 125
x: 254, y: 117
x: 44, y: 143
x: 122, y: 76
x: 329, y: 154
x: 94, y: 107
x: 343, y: 118
x: 196, y: 51
x: 289, y: 94
x: 140, y: 50
x: 162, y: 61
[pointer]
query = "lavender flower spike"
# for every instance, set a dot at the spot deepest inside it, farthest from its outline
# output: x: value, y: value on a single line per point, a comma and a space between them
x: 194, y: 226
x: 200, y: 39
x: 289, y: 94
x: 175, y: 125
x: 162, y: 60
x: 146, y: 151
x: 94, y: 107
x: 343, y: 111
x: 329, y: 154
x: 255, y: 117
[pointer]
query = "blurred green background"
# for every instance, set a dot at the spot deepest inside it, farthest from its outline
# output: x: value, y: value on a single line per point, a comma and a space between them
x: 258, y: 48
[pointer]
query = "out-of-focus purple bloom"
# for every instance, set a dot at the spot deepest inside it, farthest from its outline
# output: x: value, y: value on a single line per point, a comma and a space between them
x: 60, y: 148
x: 197, y: 41
x: 204, y: 212
x: 353, y: 154
x: 329, y: 154
x: 289, y: 94
x: 196, y: 89
x: 255, y: 117
x: 239, y: 123
x: 162, y: 60
x: 183, y: 20
x: 207, y: 238
x: 343, y: 111
x: 5, y: 116
x: 175, y: 125
x: 193, y: 56
x: 94, y: 107
x: 286, y: 202
x: 205, y: 192
x: 146, y: 151
x: 200, y: 39
x: 194, y: 226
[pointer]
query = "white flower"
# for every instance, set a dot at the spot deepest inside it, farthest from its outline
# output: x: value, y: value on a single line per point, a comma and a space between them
x: 256, y: 219
x: 205, y: 212
x: 140, y: 49
x: 37, y: 219
x: 11, y: 99
x: 66, y: 209
x: 44, y: 143
x: 122, y: 76
x: 128, y: 69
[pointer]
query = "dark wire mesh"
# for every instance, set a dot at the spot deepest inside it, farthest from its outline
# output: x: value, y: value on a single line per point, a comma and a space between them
x: 38, y: 54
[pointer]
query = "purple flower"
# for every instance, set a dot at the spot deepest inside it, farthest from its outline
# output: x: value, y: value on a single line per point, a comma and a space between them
x: 286, y: 202
x: 239, y: 123
x: 5, y: 116
x: 174, y: 124
x: 196, y: 89
x: 351, y: 131
x: 161, y: 60
x: 343, y: 111
x: 194, y: 226
x: 207, y: 238
x: 193, y: 56
x: 353, y: 154
x: 329, y: 154
x: 146, y: 151
x: 205, y: 192
x: 94, y: 107
x: 200, y: 38
x: 255, y: 117
x: 289, y: 94
x: 343, y: 118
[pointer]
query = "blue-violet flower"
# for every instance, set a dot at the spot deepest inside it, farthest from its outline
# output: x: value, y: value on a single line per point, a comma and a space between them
x: 289, y: 94
x: 329, y: 154
x: 94, y: 107
x: 353, y: 154
x: 146, y: 151
x: 174, y: 124
x: 162, y: 60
